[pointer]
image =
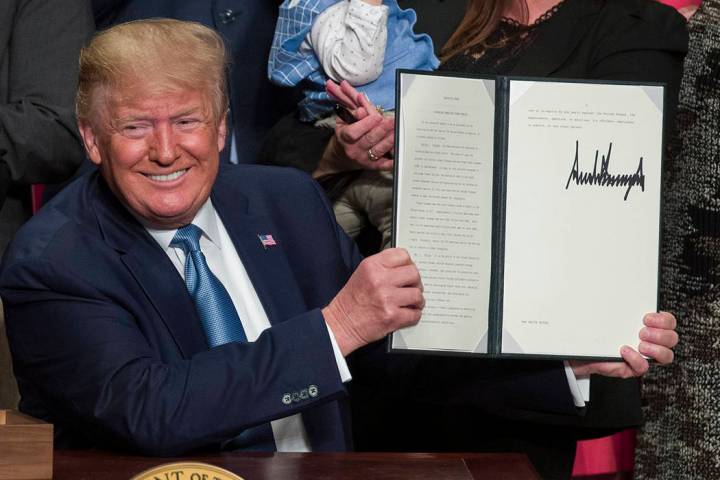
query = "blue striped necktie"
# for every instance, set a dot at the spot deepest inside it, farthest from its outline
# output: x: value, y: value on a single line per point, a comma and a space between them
x: 219, y: 319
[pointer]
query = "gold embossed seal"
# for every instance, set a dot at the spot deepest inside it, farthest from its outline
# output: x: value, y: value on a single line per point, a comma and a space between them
x: 186, y: 471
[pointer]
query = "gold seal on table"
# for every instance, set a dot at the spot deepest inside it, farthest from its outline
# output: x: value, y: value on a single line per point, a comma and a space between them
x: 186, y: 471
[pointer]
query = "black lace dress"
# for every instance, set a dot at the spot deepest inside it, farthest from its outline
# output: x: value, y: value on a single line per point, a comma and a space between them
x: 502, y: 50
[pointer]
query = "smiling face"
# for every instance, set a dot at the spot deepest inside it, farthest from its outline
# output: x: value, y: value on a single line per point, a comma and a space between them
x: 158, y: 152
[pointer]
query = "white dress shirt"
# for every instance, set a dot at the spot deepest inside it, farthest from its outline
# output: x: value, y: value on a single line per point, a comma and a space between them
x: 579, y: 386
x: 224, y: 262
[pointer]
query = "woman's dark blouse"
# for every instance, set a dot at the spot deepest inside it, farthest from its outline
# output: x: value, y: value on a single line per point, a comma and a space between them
x: 505, y: 46
x: 616, y: 40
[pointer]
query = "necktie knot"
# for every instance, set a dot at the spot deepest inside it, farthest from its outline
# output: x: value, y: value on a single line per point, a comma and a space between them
x: 187, y: 238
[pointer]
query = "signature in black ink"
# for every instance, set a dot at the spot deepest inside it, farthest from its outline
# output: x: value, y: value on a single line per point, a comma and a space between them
x: 604, y: 178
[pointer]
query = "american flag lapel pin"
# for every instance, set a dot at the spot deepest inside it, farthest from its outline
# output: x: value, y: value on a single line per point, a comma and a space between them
x: 267, y: 241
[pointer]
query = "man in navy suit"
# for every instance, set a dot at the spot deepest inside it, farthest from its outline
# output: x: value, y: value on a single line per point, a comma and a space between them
x: 162, y: 304
x: 120, y: 358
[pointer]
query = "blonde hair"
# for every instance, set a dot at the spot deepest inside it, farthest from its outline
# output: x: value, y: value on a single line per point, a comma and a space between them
x: 175, y: 54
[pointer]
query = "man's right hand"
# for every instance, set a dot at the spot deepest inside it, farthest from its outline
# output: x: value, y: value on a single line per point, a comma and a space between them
x: 384, y: 294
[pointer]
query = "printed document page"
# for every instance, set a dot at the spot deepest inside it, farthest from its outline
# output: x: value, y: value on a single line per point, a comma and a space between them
x: 443, y: 206
x: 582, y: 216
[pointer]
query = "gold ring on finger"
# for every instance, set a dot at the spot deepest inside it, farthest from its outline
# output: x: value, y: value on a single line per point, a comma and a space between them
x: 371, y: 155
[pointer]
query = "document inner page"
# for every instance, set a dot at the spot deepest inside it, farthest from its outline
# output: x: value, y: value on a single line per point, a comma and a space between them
x: 443, y: 206
x: 583, y: 213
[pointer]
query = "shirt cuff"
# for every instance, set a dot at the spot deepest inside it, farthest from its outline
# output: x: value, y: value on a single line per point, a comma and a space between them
x: 579, y: 386
x: 343, y: 369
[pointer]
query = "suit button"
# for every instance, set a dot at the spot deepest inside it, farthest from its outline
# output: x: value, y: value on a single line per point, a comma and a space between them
x: 295, y: 397
x: 287, y: 399
x: 227, y: 16
x: 313, y: 390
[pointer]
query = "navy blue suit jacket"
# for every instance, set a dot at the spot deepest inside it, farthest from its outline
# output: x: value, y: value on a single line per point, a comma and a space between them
x: 247, y: 26
x: 106, y: 341
x: 107, y: 345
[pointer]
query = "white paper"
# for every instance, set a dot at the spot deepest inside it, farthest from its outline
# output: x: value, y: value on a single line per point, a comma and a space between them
x: 444, y: 199
x: 581, y: 258
x: 581, y: 236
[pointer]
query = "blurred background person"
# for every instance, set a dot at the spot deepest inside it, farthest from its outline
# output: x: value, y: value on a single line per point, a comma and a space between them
x: 681, y: 437
x: 39, y: 46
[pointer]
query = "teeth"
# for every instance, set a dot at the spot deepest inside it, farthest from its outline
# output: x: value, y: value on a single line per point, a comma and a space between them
x: 169, y: 177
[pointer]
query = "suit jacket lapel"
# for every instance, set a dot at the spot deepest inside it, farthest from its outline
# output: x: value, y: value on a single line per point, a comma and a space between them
x: 267, y: 267
x: 153, y: 271
x: 551, y: 46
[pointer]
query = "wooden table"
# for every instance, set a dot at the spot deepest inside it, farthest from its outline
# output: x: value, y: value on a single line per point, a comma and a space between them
x: 95, y: 465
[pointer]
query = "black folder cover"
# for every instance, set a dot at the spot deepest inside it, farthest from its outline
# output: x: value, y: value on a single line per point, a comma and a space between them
x: 500, y: 153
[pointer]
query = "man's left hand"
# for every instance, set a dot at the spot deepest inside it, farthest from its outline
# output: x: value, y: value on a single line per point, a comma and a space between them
x: 657, y: 339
